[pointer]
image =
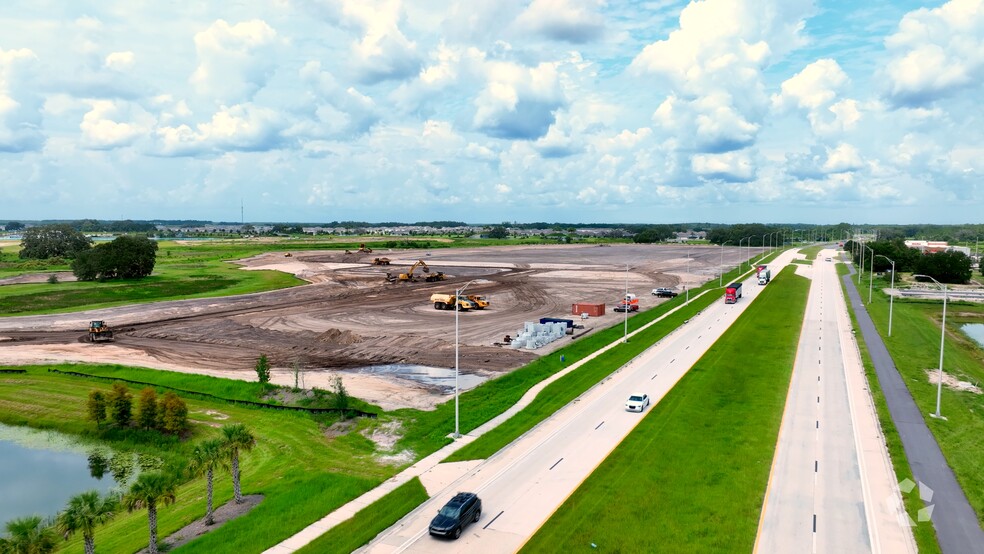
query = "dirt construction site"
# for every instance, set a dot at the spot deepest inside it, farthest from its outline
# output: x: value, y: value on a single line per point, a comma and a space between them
x: 385, y: 339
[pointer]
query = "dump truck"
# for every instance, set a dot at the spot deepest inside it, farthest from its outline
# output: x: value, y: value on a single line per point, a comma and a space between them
x: 447, y: 302
x: 380, y: 261
x: 99, y: 332
x: 480, y: 301
x: 732, y: 293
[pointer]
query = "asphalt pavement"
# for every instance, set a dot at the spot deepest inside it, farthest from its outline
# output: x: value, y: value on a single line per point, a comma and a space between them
x: 957, y: 528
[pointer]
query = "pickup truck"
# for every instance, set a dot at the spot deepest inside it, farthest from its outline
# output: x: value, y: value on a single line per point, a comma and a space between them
x: 664, y: 293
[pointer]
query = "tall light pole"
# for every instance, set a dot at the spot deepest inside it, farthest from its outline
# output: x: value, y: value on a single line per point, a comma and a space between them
x: 860, y: 273
x: 891, y: 297
x: 763, y: 243
x: 871, y: 272
x: 721, y: 274
x: 939, y: 385
x: 457, y: 308
x: 741, y: 262
x: 625, y: 300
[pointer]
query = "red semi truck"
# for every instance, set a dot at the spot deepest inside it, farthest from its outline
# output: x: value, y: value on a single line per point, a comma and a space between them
x: 732, y: 293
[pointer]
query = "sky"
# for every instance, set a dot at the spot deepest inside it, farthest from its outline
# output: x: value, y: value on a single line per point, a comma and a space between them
x: 489, y: 111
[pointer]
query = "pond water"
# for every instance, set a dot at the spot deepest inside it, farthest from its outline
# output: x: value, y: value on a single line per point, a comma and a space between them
x: 41, y: 470
x: 974, y: 331
x: 440, y: 378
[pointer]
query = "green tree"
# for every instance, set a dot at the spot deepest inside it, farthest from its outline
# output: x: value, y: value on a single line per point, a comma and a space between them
x: 85, y: 512
x: 150, y: 490
x: 205, y: 459
x: 172, y: 413
x: 655, y: 233
x: 50, y: 241
x: 341, y: 396
x: 147, y: 409
x: 14, y: 226
x: 498, y: 232
x: 236, y: 438
x: 945, y: 267
x: 263, y: 369
x: 96, y: 407
x: 120, y: 403
x: 126, y: 257
x: 28, y: 535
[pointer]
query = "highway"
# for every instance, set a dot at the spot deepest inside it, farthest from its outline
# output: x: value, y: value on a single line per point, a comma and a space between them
x: 831, y: 488
x: 523, y: 484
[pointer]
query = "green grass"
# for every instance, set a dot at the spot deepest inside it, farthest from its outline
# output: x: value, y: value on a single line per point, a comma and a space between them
x: 924, y: 533
x: 915, y: 346
x: 301, y: 473
x: 369, y: 521
x: 693, y: 474
x: 811, y: 251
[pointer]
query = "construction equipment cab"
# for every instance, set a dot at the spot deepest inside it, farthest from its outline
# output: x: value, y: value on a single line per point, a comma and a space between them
x: 409, y: 276
x: 99, y: 332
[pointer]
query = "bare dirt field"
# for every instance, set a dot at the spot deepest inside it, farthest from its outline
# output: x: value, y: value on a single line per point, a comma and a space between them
x: 349, y: 320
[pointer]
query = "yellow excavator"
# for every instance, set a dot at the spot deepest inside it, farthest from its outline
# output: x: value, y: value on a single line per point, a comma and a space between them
x: 409, y: 275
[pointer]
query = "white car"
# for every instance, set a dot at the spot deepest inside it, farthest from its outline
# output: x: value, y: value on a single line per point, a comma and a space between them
x: 637, y: 402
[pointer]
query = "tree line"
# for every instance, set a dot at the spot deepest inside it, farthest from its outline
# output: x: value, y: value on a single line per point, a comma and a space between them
x: 946, y: 266
x: 125, y: 257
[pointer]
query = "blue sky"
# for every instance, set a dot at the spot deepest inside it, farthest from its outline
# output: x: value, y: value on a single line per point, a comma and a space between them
x: 493, y: 110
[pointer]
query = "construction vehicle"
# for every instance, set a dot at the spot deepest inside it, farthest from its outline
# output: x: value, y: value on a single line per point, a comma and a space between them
x: 381, y: 261
x: 99, y: 332
x: 288, y: 255
x: 409, y: 275
x: 480, y: 301
x: 447, y: 302
x: 363, y: 249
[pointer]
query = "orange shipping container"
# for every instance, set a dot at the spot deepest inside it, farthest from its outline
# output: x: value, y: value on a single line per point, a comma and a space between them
x: 593, y: 310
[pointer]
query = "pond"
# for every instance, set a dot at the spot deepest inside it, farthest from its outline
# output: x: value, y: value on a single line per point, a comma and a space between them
x: 974, y: 331
x: 41, y: 470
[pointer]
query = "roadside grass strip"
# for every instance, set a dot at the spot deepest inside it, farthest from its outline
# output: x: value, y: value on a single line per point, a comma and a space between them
x: 692, y: 475
x: 925, y: 533
x: 915, y: 348
x: 352, y: 533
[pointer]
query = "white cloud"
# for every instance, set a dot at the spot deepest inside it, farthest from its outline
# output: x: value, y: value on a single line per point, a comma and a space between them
x: 113, y: 124
x: 120, y: 61
x: 844, y: 157
x: 936, y: 52
x: 20, y: 103
x: 730, y: 166
x: 575, y: 21
x: 814, y: 87
x: 518, y: 102
x: 235, y: 61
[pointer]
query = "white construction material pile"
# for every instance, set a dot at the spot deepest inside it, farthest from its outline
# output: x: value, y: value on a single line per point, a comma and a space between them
x: 535, y: 335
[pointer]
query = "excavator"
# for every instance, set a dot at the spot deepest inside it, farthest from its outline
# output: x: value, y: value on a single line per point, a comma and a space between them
x: 409, y: 275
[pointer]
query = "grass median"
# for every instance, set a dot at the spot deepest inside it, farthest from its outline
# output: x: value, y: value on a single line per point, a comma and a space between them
x: 692, y: 475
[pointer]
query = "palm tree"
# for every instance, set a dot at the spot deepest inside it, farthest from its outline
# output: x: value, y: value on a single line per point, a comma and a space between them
x: 237, y: 437
x: 28, y: 535
x: 149, y: 490
x: 85, y: 512
x: 205, y: 459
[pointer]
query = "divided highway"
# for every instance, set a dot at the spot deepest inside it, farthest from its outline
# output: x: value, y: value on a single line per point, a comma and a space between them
x: 522, y: 485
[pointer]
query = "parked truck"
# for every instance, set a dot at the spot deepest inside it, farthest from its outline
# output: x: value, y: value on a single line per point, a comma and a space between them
x: 447, y: 302
x: 764, y: 275
x: 732, y: 293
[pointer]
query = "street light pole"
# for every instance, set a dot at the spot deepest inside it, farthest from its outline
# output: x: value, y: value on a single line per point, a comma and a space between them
x: 871, y: 272
x: 741, y: 262
x: 457, y: 308
x: 939, y: 385
x: 625, y: 300
x: 891, y: 297
x: 721, y: 269
x: 860, y: 273
x: 688, y: 276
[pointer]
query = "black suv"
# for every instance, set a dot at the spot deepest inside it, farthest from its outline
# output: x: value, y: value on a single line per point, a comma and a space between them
x: 664, y: 293
x: 461, y: 510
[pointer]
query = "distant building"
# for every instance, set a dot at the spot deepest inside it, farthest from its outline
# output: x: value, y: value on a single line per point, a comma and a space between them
x: 933, y: 246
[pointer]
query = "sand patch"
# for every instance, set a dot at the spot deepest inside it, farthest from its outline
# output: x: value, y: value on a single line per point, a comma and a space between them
x: 951, y: 382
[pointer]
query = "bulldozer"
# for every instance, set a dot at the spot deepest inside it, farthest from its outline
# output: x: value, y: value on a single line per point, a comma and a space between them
x: 100, y: 332
x: 381, y: 261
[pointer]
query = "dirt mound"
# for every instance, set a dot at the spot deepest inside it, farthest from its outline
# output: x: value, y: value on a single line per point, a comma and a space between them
x: 336, y: 336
